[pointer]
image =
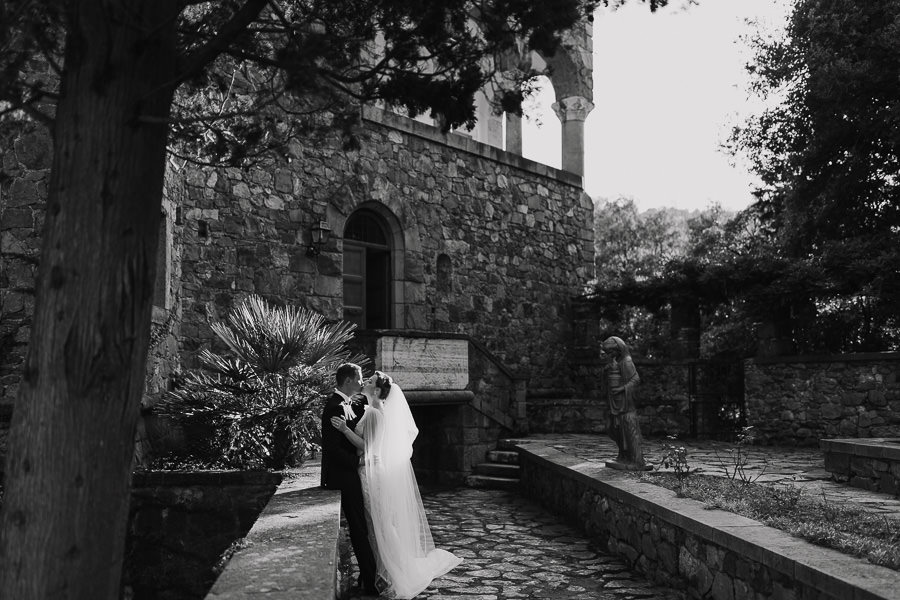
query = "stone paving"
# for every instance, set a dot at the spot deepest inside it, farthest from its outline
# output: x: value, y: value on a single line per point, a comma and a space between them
x: 514, y: 549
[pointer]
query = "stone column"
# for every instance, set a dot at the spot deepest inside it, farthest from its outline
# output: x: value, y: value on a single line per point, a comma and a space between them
x: 685, y: 327
x: 774, y: 331
x: 572, y: 112
x: 514, y: 133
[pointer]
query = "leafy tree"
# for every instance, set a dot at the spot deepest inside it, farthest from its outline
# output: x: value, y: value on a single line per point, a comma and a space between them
x: 260, y: 403
x: 829, y: 152
x: 116, y: 81
x: 646, y: 259
x: 629, y: 244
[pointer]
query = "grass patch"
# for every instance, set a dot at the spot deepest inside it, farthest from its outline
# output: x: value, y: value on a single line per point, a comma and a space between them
x: 848, y: 529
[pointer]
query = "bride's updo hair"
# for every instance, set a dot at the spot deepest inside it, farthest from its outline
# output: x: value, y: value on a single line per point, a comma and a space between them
x: 383, y: 384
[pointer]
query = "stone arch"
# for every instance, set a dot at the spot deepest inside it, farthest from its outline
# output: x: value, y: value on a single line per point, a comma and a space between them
x: 541, y: 132
x: 406, y: 273
x: 570, y: 70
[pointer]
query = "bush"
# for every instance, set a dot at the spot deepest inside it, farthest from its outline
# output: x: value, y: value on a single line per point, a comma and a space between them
x: 260, y: 405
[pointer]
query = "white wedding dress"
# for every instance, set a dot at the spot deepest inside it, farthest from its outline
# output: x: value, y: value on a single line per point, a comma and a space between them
x: 398, y: 529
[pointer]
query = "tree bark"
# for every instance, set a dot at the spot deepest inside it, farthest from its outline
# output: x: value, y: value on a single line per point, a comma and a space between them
x: 69, y: 465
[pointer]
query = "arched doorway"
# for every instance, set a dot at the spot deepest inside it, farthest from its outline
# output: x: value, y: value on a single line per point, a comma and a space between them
x: 367, y: 271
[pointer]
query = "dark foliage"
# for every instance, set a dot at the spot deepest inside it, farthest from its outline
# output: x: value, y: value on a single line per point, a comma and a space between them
x: 845, y: 298
x: 829, y: 153
x: 259, y: 404
x: 253, y: 74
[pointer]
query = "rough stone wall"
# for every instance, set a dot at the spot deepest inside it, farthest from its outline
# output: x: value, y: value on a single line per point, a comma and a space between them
x: 799, y: 400
x: 180, y: 524
x: 877, y: 474
x: 24, y: 173
x: 518, y: 236
x: 662, y: 402
x: 26, y: 158
x: 451, y: 441
x: 163, y: 361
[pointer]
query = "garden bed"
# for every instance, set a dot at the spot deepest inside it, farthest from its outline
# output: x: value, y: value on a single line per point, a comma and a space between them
x: 849, y: 529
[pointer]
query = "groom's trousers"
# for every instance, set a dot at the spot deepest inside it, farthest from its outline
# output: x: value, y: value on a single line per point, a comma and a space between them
x: 355, y: 512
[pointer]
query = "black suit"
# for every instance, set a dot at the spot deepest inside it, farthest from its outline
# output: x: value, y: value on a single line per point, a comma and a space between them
x: 339, y: 472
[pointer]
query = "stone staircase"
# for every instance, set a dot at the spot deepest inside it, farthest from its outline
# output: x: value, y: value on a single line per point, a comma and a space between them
x: 500, y: 472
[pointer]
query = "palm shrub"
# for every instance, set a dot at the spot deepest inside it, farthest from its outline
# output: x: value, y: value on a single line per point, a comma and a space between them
x: 258, y: 405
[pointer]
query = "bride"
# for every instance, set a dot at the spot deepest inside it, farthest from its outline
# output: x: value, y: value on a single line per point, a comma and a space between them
x: 398, y: 530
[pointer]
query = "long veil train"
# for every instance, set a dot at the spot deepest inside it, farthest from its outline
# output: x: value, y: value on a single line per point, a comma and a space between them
x: 407, y: 558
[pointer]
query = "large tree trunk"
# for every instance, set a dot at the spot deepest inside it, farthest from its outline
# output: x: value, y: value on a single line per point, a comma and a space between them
x: 69, y: 464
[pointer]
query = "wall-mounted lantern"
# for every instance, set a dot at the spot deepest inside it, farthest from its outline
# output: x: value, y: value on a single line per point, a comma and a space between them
x: 318, y: 237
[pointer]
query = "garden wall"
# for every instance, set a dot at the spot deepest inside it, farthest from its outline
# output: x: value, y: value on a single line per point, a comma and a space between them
x: 26, y: 153
x: 663, y: 402
x: 800, y: 400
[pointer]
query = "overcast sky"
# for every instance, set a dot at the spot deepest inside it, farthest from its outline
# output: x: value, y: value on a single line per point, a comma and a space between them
x: 667, y: 88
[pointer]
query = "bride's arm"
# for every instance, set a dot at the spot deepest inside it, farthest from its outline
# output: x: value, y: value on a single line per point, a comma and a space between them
x: 341, y: 425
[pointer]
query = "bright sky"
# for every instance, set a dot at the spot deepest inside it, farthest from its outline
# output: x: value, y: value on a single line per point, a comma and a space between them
x: 667, y: 88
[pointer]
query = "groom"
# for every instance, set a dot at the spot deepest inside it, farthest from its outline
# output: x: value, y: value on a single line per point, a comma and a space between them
x: 339, y: 469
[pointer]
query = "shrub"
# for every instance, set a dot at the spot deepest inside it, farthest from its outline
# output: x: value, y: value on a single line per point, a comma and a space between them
x: 675, y: 457
x: 259, y: 405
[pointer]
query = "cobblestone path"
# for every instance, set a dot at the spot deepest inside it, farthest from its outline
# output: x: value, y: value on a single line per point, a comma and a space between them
x: 514, y: 549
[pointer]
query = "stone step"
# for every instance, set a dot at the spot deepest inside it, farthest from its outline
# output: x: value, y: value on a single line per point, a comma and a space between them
x: 507, y: 444
x: 508, y: 457
x: 494, y: 469
x: 492, y: 483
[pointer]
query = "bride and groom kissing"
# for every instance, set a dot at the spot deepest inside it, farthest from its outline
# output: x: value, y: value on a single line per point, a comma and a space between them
x: 366, y: 451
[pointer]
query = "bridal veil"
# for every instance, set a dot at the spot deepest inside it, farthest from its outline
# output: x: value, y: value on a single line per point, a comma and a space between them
x: 407, y: 558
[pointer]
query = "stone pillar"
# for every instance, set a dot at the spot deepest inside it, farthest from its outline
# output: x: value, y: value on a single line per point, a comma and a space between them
x: 572, y: 112
x: 685, y: 327
x: 774, y: 332
x: 514, y: 133
x: 584, y: 348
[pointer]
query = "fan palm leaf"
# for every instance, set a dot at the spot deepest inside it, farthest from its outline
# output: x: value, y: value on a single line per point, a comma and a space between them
x: 269, y: 382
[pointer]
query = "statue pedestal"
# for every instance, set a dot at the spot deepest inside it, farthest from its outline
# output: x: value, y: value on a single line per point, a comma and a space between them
x: 623, y: 466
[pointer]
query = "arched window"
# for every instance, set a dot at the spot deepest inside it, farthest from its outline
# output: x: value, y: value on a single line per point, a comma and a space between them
x: 367, y: 271
x: 541, y: 129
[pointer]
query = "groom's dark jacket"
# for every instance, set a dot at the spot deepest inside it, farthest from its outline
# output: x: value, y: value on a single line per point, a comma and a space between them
x: 339, y: 458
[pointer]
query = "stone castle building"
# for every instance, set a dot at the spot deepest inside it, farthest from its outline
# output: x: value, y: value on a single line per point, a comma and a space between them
x: 456, y: 257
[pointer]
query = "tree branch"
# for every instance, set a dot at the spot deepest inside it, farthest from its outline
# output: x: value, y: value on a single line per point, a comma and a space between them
x: 195, y: 63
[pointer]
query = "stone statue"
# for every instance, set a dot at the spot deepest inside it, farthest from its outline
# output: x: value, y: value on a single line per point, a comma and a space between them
x: 622, y: 381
